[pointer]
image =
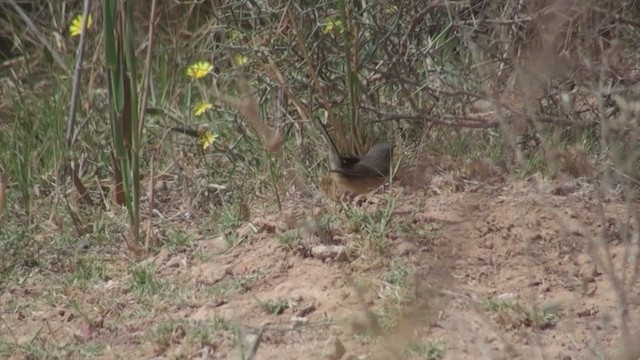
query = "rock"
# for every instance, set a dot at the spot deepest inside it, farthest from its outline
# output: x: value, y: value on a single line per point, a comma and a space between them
x: 176, y: 262
x: 246, y: 229
x: 508, y: 297
x: 323, y: 252
x: 365, y: 323
x: 306, y: 311
x: 265, y: 323
x: 406, y: 248
x: 587, y: 311
x: 439, y: 216
x: 157, y: 260
x: 210, y: 274
x: 297, y: 321
x: 217, y: 245
x: 590, y: 272
x: 333, y: 349
x: 249, y: 341
x: 161, y: 186
x: 287, y: 222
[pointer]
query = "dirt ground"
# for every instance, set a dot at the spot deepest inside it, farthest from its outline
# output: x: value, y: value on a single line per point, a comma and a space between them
x: 466, y: 248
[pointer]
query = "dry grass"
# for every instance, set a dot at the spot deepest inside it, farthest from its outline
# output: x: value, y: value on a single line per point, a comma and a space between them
x: 502, y: 115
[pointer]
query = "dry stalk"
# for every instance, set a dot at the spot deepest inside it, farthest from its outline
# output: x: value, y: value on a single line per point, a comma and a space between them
x: 3, y: 193
x: 151, y: 196
x: 248, y: 108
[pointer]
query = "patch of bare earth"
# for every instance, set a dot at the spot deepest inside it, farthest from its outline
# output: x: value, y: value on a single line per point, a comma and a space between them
x: 466, y: 249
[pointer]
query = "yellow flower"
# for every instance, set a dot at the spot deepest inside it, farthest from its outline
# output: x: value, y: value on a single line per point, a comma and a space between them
x: 201, y: 107
x: 333, y: 25
x: 240, y: 59
x: 389, y: 9
x: 77, y: 23
x: 234, y: 35
x: 199, y: 70
x: 207, y: 138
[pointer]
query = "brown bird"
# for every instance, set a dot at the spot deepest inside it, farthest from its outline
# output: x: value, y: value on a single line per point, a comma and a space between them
x: 366, y: 174
x: 357, y: 175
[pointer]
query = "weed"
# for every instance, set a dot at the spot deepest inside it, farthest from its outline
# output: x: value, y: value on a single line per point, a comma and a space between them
x: 287, y: 239
x: 220, y: 323
x: 232, y: 239
x: 432, y: 350
x: 88, y: 269
x: 203, y: 335
x: 398, y: 274
x: 329, y: 220
x: 143, y: 280
x: 512, y: 314
x: 422, y: 234
x: 229, y: 217
x: 394, y: 76
x: 248, y: 344
x: 239, y: 284
x: 5, y: 348
x: 197, y: 334
x: 325, y: 227
x: 178, y: 241
x: 388, y: 315
x: 168, y: 332
x: 273, y: 306
x: 39, y: 349
x: 17, y: 250
x: 373, y: 228
x: 92, y: 349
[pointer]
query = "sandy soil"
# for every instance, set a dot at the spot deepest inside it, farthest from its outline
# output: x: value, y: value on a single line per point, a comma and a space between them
x: 464, y: 248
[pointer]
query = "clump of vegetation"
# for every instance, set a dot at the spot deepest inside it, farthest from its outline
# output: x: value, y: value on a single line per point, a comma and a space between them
x: 132, y: 128
x: 511, y: 314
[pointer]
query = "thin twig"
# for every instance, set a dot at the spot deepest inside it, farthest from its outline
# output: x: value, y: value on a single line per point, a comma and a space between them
x: 151, y: 199
x: 39, y: 35
x: 147, y: 68
x: 75, y: 91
